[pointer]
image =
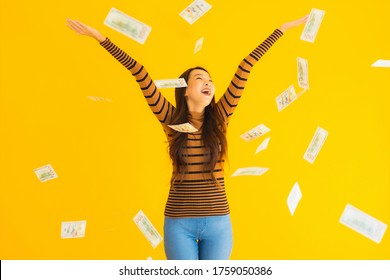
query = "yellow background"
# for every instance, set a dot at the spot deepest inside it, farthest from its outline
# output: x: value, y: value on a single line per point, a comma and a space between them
x: 111, y: 157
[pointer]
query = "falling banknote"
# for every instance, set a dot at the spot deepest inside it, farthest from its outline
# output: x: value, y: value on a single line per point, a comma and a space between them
x: 303, y: 73
x: 293, y: 198
x: 195, y: 10
x: 73, y: 229
x: 286, y: 98
x: 255, y: 132
x: 363, y: 223
x: 250, y: 171
x: 381, y: 63
x: 315, y: 145
x: 312, y: 25
x: 184, y: 127
x: 171, y: 83
x: 97, y: 98
x: 198, y: 45
x: 263, y: 145
x: 147, y: 229
x: 127, y: 25
x: 45, y: 173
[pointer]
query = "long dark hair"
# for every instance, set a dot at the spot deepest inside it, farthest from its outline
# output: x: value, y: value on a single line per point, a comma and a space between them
x: 213, y: 133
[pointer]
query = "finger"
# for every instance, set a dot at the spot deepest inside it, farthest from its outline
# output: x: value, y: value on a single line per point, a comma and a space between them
x: 302, y: 20
x: 305, y: 18
x: 78, y: 29
x: 76, y: 26
x: 71, y: 23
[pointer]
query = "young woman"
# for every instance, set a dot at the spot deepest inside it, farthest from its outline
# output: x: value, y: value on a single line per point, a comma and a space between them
x: 197, y: 220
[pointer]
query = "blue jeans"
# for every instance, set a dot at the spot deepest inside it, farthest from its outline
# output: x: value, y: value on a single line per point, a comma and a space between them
x: 203, y: 238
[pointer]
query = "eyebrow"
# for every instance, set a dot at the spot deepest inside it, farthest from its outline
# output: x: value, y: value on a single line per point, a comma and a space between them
x: 199, y: 74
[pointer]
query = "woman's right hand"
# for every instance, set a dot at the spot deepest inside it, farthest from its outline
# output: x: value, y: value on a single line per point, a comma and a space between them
x: 83, y: 29
x: 294, y: 23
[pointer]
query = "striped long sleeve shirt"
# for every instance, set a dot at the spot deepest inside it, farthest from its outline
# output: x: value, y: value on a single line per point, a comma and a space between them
x: 196, y: 195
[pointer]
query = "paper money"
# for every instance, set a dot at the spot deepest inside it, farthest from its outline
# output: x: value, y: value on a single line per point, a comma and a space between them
x: 45, y: 173
x: 250, y: 171
x: 97, y: 98
x: 315, y: 144
x: 381, y: 63
x: 184, y: 127
x: 255, y: 132
x: 363, y: 223
x: 312, y: 25
x: 286, y: 98
x: 303, y: 73
x: 73, y: 229
x: 127, y: 25
x: 198, y: 45
x: 263, y: 145
x: 147, y: 229
x: 293, y: 198
x: 195, y: 10
x: 171, y: 83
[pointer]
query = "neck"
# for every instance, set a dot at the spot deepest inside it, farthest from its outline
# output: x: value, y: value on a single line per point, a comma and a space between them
x: 196, y: 109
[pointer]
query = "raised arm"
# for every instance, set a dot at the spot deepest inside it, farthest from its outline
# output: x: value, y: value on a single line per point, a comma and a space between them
x: 160, y: 106
x: 228, y: 102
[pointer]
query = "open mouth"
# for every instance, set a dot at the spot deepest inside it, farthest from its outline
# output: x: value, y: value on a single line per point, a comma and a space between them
x: 206, y: 92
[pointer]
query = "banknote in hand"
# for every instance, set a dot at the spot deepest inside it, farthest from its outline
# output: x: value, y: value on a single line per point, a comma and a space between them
x: 312, y: 25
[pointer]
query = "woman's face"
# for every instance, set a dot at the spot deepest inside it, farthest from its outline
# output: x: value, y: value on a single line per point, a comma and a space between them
x: 200, y: 90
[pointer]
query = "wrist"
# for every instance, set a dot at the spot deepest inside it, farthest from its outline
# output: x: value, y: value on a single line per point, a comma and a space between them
x: 100, y: 38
